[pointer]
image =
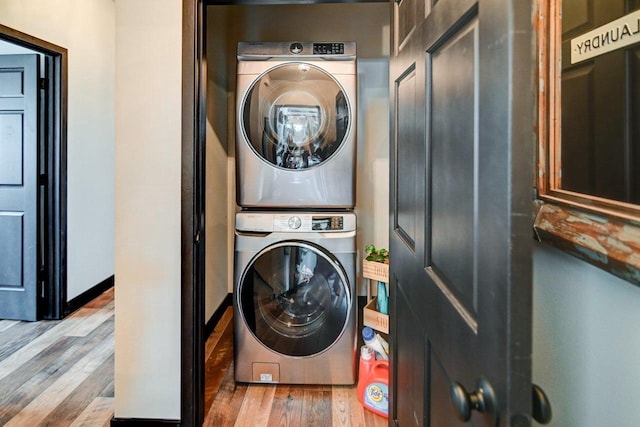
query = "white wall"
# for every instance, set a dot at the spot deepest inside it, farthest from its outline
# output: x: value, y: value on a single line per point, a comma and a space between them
x: 219, y: 244
x: 148, y: 180
x: 372, y: 204
x: 365, y: 23
x: 87, y: 29
x: 586, y: 344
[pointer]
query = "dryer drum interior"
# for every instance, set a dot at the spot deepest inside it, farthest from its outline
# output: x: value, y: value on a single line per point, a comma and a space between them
x: 295, y: 298
x: 295, y: 116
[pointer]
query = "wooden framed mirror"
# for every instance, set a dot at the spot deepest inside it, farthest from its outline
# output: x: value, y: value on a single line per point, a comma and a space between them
x: 588, y: 185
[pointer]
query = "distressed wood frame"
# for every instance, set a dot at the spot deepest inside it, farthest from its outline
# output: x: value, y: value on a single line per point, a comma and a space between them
x: 602, y: 232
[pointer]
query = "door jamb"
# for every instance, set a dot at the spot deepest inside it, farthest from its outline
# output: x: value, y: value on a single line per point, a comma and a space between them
x: 52, y: 303
x: 192, y: 213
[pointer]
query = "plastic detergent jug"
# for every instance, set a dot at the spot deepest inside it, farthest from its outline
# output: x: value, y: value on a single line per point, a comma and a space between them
x: 373, y: 382
x: 376, y: 342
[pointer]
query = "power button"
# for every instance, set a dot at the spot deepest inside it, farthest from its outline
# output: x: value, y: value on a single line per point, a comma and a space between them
x: 295, y: 47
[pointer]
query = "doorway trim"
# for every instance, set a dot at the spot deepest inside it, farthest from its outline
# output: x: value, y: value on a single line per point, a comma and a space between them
x: 192, y: 213
x: 52, y: 303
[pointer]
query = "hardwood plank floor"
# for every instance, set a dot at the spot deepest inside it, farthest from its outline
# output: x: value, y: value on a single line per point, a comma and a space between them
x: 230, y: 404
x: 57, y: 373
x: 60, y: 374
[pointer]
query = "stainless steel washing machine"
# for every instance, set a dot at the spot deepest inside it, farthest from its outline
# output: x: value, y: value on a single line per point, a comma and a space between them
x: 295, y: 134
x: 294, y: 298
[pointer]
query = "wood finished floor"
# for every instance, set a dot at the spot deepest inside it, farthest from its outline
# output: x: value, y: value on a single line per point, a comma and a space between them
x: 233, y: 404
x: 60, y: 373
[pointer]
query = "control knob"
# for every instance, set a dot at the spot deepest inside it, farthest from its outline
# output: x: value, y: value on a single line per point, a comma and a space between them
x: 295, y: 222
x: 295, y: 48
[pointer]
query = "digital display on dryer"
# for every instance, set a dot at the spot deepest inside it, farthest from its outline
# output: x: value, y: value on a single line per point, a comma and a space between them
x: 327, y: 223
x: 328, y: 48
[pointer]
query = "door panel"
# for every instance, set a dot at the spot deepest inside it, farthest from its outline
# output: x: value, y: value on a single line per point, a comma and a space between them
x: 18, y: 186
x: 463, y: 280
x: 406, y: 191
x: 453, y: 112
x: 11, y: 249
x: 406, y: 20
x: 440, y: 403
x: 11, y: 148
x: 409, y: 366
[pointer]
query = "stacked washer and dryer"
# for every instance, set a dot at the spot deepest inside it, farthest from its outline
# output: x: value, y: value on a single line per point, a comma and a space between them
x: 295, y: 250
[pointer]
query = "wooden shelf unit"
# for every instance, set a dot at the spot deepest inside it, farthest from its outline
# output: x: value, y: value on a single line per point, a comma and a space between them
x: 375, y: 272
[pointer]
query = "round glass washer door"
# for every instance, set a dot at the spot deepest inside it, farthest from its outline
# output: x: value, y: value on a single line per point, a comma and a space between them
x: 295, y: 116
x: 295, y: 298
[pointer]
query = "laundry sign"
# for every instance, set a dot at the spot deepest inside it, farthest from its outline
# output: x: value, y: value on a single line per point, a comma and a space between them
x: 609, y: 37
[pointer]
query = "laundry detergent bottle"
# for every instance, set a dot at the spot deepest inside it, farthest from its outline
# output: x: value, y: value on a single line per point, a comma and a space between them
x: 378, y: 344
x: 373, y: 382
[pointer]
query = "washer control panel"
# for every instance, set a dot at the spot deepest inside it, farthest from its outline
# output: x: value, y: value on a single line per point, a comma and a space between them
x: 295, y: 222
x: 289, y: 222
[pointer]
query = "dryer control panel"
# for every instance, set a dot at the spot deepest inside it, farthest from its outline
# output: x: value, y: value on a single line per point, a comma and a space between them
x: 261, y: 51
x: 328, y: 48
x: 293, y: 222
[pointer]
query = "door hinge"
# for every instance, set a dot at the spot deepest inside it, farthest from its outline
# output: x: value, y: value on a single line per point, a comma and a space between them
x: 42, y: 81
x: 42, y: 179
x: 41, y: 281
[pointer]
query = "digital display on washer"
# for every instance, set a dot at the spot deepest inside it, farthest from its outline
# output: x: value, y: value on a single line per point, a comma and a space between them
x: 327, y: 223
x: 328, y: 48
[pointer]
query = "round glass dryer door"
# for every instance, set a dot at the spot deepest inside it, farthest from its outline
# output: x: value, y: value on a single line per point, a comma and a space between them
x: 295, y: 116
x: 295, y: 299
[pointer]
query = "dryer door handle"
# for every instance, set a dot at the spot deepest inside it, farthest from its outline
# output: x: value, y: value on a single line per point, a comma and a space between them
x: 252, y: 233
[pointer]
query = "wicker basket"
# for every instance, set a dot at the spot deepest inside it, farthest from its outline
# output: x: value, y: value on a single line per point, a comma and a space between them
x: 375, y: 271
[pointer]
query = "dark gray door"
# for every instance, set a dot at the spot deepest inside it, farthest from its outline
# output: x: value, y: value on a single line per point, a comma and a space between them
x: 462, y: 84
x: 18, y: 186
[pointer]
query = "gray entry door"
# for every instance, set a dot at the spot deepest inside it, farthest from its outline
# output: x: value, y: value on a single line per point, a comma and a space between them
x: 462, y: 85
x: 18, y: 186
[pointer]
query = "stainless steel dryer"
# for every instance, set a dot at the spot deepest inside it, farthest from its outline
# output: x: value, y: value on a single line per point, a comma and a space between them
x: 294, y: 298
x: 295, y: 135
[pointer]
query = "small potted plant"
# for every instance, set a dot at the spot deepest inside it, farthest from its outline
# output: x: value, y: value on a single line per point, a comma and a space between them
x: 377, y: 255
x: 376, y: 263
